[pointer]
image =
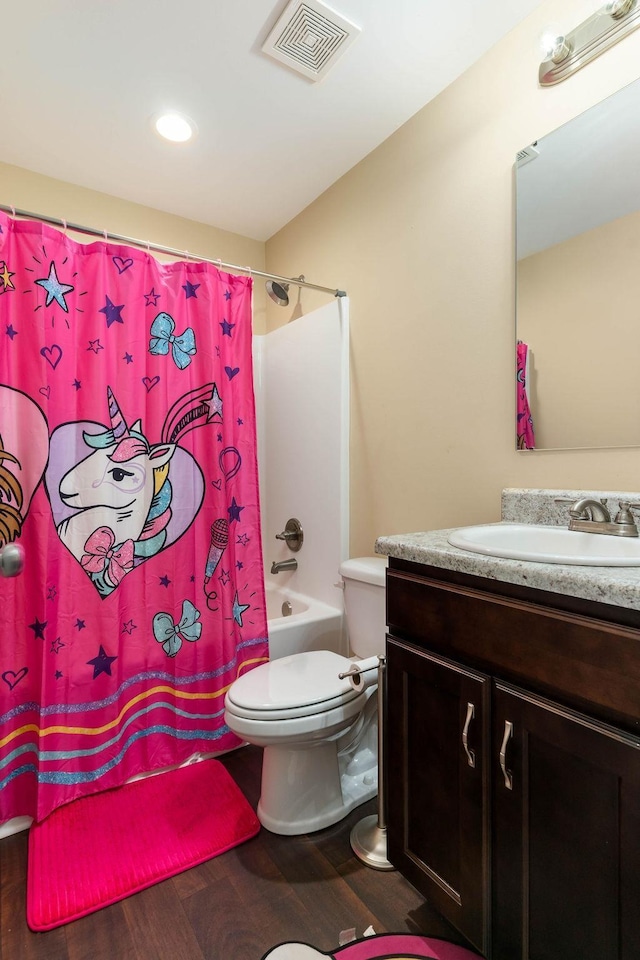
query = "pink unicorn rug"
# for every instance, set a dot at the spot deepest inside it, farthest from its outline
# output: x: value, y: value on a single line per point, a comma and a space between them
x: 95, y: 851
x: 384, y: 946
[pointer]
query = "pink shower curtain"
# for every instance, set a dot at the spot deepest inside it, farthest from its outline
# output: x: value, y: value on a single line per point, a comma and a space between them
x: 525, y: 434
x: 128, y: 473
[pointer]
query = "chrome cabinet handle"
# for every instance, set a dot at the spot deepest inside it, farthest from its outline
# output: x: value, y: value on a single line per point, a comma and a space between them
x: 471, y: 756
x: 508, y: 733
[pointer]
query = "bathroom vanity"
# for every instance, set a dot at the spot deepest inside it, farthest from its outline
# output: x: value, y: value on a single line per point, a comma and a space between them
x: 513, y: 760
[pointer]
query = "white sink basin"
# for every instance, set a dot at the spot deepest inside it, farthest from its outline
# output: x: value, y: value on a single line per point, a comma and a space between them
x: 542, y: 544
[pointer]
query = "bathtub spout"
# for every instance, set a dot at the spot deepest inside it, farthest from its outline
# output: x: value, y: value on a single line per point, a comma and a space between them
x: 278, y: 566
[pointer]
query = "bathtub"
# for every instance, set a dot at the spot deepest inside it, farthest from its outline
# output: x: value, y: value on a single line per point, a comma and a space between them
x: 310, y: 624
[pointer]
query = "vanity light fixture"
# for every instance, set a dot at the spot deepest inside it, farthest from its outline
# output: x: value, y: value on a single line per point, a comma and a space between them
x: 566, y: 54
x: 174, y: 127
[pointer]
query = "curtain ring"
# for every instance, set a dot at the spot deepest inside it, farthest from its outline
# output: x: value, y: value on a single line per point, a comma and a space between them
x: 186, y: 253
x: 13, y: 211
x: 104, y: 233
x: 219, y: 262
x: 64, y: 226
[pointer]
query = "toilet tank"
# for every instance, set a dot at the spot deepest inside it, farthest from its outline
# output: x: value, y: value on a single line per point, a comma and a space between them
x: 364, y: 604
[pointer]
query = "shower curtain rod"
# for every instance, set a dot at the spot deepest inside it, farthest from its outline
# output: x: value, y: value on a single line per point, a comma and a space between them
x: 171, y: 251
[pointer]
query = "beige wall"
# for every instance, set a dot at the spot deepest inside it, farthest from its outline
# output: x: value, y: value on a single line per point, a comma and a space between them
x: 420, y: 234
x: 578, y: 308
x: 54, y: 198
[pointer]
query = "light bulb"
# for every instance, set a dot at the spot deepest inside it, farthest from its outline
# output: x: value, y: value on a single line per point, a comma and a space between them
x: 174, y: 127
x: 619, y: 8
x: 553, y: 44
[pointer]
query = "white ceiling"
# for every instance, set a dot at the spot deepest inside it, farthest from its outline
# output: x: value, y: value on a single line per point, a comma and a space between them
x: 82, y: 78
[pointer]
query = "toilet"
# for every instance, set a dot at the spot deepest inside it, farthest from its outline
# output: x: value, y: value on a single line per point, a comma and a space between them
x: 319, y: 732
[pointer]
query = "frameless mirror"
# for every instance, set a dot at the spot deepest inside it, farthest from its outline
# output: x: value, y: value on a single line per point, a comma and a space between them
x: 578, y: 280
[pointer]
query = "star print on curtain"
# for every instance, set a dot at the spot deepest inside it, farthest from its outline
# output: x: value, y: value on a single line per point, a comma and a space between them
x: 128, y: 473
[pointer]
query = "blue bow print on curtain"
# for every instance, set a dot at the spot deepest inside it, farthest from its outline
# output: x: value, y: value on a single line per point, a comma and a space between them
x: 170, y: 634
x: 183, y: 347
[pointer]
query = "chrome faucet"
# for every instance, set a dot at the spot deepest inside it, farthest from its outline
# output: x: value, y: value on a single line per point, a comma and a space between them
x: 589, y: 509
x: 588, y: 515
x: 278, y: 566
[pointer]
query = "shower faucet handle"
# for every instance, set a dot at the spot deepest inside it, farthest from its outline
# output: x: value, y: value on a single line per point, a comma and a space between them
x: 292, y: 534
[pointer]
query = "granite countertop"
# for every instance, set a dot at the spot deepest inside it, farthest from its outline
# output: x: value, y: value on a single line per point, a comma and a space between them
x: 619, y: 586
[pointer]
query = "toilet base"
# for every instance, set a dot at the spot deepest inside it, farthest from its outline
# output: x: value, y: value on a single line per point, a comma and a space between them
x: 312, y: 787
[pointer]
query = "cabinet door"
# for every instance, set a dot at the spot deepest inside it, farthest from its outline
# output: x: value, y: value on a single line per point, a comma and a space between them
x: 438, y: 782
x: 566, y: 838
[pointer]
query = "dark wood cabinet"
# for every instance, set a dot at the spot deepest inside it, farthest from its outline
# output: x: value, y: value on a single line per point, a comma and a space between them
x: 566, y: 833
x: 513, y: 763
x: 440, y: 834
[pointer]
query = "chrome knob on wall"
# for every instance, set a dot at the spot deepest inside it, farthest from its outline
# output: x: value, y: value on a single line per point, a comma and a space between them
x: 292, y: 534
x: 11, y: 560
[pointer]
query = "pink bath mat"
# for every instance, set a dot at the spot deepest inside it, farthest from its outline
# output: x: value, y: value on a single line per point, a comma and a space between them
x: 384, y: 946
x: 100, y: 849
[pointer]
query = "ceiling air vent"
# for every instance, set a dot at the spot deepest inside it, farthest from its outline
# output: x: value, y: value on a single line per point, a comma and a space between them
x: 526, y: 155
x: 309, y: 38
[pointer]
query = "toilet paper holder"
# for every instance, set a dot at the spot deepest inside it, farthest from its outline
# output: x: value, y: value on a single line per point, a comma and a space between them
x: 369, y: 836
x: 362, y: 673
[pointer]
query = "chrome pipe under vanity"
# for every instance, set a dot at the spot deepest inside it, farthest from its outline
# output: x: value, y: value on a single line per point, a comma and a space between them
x: 588, y: 515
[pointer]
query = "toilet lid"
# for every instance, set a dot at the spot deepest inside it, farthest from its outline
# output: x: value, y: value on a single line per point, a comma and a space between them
x: 304, y: 683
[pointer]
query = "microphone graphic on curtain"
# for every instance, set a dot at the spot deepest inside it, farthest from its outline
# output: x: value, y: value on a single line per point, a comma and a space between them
x: 219, y: 541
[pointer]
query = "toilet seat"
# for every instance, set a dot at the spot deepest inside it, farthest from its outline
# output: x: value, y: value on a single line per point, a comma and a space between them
x: 304, y: 684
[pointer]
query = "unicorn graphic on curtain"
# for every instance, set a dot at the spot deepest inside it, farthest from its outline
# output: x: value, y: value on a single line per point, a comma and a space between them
x: 121, y: 493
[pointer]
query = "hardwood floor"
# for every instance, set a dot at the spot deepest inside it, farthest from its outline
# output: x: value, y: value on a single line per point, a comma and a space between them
x: 235, y: 907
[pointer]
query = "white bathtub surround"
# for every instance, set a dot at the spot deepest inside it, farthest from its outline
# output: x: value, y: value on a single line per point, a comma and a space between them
x: 302, y: 399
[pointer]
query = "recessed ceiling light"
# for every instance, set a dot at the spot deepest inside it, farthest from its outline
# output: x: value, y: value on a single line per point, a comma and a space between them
x: 175, y: 127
